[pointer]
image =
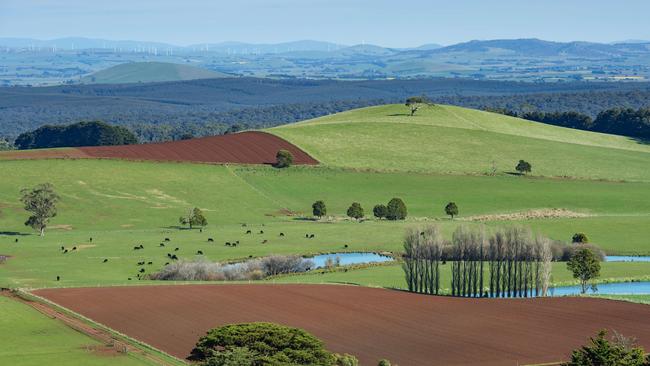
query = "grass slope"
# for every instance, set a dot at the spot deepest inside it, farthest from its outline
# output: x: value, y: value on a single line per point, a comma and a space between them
x: 122, y: 204
x: 446, y: 139
x: 29, y: 338
x: 146, y: 72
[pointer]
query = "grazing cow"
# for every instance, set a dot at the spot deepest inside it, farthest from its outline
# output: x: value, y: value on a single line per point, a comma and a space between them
x: 307, y: 236
x: 210, y: 240
x: 166, y: 263
x: 176, y: 249
x: 345, y: 246
x: 261, y: 231
x: 74, y: 248
x: 312, y: 236
x: 105, y: 260
x: 234, y: 244
x: 243, y: 225
x: 136, y: 248
x: 140, y: 263
x: 166, y: 239
x: 129, y: 278
x: 162, y: 244
x: 236, y: 241
x: 65, y: 251
x: 200, y: 230
x: 91, y: 239
x: 264, y: 241
x: 62, y: 247
x: 174, y: 257
x: 199, y: 252
x: 149, y: 263
x: 141, y: 246
x: 281, y: 234
x: 249, y: 232
x: 16, y: 240
x: 141, y: 270
x: 58, y: 278
x: 227, y: 243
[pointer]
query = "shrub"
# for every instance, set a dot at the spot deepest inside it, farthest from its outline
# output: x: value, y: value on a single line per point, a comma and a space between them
x: 380, y: 211
x: 383, y: 362
x: 604, y: 352
x: 396, y: 209
x: 355, y: 211
x: 580, y: 238
x: 283, y: 159
x: 266, y: 344
x: 319, y: 209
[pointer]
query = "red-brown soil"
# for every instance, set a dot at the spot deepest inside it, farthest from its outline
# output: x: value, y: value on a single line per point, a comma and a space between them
x: 251, y: 147
x: 409, y: 329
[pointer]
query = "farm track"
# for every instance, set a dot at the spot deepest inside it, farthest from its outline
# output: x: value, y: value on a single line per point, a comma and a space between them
x: 103, y: 336
x: 371, y: 323
x: 251, y: 147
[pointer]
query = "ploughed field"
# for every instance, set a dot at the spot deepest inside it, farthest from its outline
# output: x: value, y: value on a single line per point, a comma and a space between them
x: 408, y: 329
x: 251, y: 147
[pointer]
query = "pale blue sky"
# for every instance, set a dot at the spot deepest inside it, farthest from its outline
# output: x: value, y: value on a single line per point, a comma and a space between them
x: 390, y: 23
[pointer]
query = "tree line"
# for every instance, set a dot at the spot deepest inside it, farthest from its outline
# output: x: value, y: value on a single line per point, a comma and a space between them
x: 618, y: 121
x: 94, y: 133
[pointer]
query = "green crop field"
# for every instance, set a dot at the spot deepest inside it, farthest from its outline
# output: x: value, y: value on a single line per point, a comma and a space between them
x: 447, y: 139
x: 29, y: 338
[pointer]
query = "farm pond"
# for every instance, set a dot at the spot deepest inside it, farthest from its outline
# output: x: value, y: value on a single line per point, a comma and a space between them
x: 347, y: 259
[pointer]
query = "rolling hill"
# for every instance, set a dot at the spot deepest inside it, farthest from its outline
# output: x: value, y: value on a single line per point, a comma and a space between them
x: 446, y: 139
x: 146, y: 72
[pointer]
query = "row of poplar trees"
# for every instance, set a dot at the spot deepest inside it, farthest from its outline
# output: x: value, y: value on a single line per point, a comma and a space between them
x: 511, y: 262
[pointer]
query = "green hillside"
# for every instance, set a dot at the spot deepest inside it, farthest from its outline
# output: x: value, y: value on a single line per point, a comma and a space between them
x: 446, y: 139
x: 146, y: 72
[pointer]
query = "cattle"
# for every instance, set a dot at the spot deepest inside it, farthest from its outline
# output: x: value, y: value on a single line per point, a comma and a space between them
x: 16, y: 240
x: 141, y: 270
x: 234, y: 244
x: 236, y: 241
x: 307, y: 236
x: 65, y: 251
x: 311, y: 236
x: 249, y: 232
x: 261, y: 231
x: 166, y: 263
x: 199, y: 252
x: 141, y: 263
x: 105, y: 260
x: 210, y: 240
x: 176, y: 249
x: 62, y: 247
x: 129, y: 278
x: 91, y: 239
x: 141, y: 246
x: 58, y: 278
x: 162, y: 244
x: 174, y: 257
x: 243, y: 225
x: 345, y: 246
x: 149, y: 263
x: 281, y: 234
x: 264, y: 241
x: 136, y: 248
x: 228, y: 244
x: 74, y: 248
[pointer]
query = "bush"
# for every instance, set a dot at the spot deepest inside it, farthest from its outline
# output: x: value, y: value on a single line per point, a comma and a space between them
x: 380, y: 211
x: 265, y: 344
x: 257, y: 269
x: 283, y: 159
x: 396, y: 209
x: 580, y: 238
x: 383, y: 362
x: 604, y: 352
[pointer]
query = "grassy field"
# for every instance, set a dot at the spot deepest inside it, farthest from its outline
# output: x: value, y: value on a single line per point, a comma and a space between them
x: 29, y: 338
x: 641, y: 299
x: 123, y: 204
x: 446, y: 139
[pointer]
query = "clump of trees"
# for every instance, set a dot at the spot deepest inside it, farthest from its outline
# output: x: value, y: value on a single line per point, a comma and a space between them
x: 416, y: 102
x: 319, y: 209
x: 619, y: 350
x: 266, y: 344
x: 523, y: 167
x: 355, y: 211
x: 283, y: 159
x: 95, y: 133
x: 193, y: 218
x: 509, y: 263
x: 40, y: 202
x: 451, y: 209
x: 585, y: 266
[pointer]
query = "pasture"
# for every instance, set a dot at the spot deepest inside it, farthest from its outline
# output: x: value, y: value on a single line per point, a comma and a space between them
x: 121, y: 204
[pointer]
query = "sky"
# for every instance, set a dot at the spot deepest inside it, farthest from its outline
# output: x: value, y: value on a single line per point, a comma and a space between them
x: 403, y: 23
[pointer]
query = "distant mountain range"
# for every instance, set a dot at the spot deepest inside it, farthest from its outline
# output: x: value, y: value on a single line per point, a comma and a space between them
x: 70, y: 59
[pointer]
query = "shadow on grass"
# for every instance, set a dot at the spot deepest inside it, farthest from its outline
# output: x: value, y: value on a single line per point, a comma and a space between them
x: 13, y: 233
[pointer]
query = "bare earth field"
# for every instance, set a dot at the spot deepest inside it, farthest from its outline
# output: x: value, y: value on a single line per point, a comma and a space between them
x: 409, y: 329
x: 250, y: 147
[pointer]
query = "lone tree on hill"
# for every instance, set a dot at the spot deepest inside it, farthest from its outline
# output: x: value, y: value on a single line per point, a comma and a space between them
x: 41, y: 202
x: 380, y: 211
x: 580, y: 238
x: 194, y: 218
x: 524, y: 167
x: 451, y: 209
x: 396, y: 209
x: 355, y: 211
x: 416, y: 102
x: 319, y: 209
x: 585, y: 266
x: 283, y: 159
